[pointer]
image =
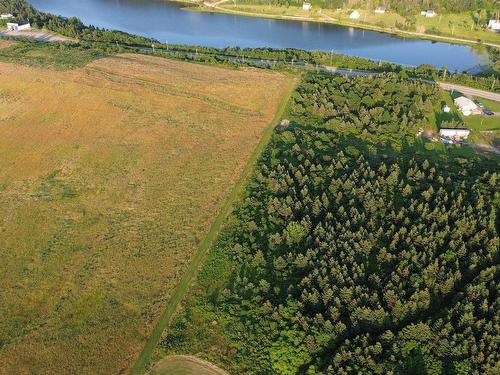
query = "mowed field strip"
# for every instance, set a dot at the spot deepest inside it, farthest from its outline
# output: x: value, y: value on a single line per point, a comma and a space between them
x: 110, y: 176
x: 185, y: 365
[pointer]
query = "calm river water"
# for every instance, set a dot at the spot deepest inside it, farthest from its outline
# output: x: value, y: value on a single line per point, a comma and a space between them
x: 168, y: 22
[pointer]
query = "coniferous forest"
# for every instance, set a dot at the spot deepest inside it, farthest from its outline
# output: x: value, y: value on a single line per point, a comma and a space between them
x: 354, y: 251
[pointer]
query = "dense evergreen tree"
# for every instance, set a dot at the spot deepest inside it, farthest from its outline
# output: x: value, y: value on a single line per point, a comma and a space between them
x: 348, y: 258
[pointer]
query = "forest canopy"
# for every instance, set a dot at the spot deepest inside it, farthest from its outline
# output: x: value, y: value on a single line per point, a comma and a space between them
x: 346, y: 257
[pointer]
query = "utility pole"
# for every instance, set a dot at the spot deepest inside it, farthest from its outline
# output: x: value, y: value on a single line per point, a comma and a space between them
x: 331, y: 57
x: 153, y: 46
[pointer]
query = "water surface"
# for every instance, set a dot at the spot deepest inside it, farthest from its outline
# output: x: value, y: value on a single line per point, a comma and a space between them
x: 168, y: 22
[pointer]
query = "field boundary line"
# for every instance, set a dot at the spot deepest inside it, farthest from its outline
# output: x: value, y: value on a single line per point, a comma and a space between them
x: 180, y: 290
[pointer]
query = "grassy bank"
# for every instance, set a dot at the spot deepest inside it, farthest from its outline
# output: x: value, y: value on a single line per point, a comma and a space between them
x: 453, y: 28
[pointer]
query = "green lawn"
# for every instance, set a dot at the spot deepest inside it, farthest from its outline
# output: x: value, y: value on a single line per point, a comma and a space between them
x: 481, y: 123
x: 492, y: 105
x: 455, y: 25
x: 50, y: 55
x: 453, y: 116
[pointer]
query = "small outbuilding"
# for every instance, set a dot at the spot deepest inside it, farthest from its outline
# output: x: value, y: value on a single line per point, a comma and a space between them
x: 284, y: 123
x: 6, y: 16
x: 454, y: 134
x: 429, y: 13
x: 354, y: 15
x: 494, y: 25
x: 446, y: 108
x: 380, y: 10
x: 306, y: 6
x: 466, y: 106
x: 18, y: 27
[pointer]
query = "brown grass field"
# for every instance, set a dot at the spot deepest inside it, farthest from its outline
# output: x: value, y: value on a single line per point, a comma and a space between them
x: 109, y: 177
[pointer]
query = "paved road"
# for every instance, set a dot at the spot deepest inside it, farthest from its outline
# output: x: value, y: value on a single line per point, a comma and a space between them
x: 468, y: 91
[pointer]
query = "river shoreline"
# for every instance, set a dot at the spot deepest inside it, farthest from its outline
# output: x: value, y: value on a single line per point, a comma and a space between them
x: 197, y: 6
x: 217, y: 25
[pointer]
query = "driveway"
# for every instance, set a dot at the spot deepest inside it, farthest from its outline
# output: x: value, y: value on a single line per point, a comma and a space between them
x: 40, y: 35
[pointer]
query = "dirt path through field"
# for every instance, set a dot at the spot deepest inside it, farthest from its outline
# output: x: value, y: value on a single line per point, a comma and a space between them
x: 185, y: 365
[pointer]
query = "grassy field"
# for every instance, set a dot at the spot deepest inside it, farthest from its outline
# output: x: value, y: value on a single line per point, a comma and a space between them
x: 489, y: 104
x: 185, y: 365
x: 482, y: 123
x: 452, y: 25
x: 110, y: 176
x: 49, y: 55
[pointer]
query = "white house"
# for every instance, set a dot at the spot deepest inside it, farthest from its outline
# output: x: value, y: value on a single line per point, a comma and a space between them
x: 466, y: 106
x: 12, y: 26
x: 454, y: 133
x: 429, y: 13
x: 306, y: 6
x: 6, y: 16
x: 380, y: 10
x: 494, y: 25
x: 354, y: 15
x: 18, y: 27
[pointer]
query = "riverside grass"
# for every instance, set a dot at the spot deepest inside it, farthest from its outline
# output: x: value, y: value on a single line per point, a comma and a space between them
x: 454, y: 28
x: 110, y: 176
